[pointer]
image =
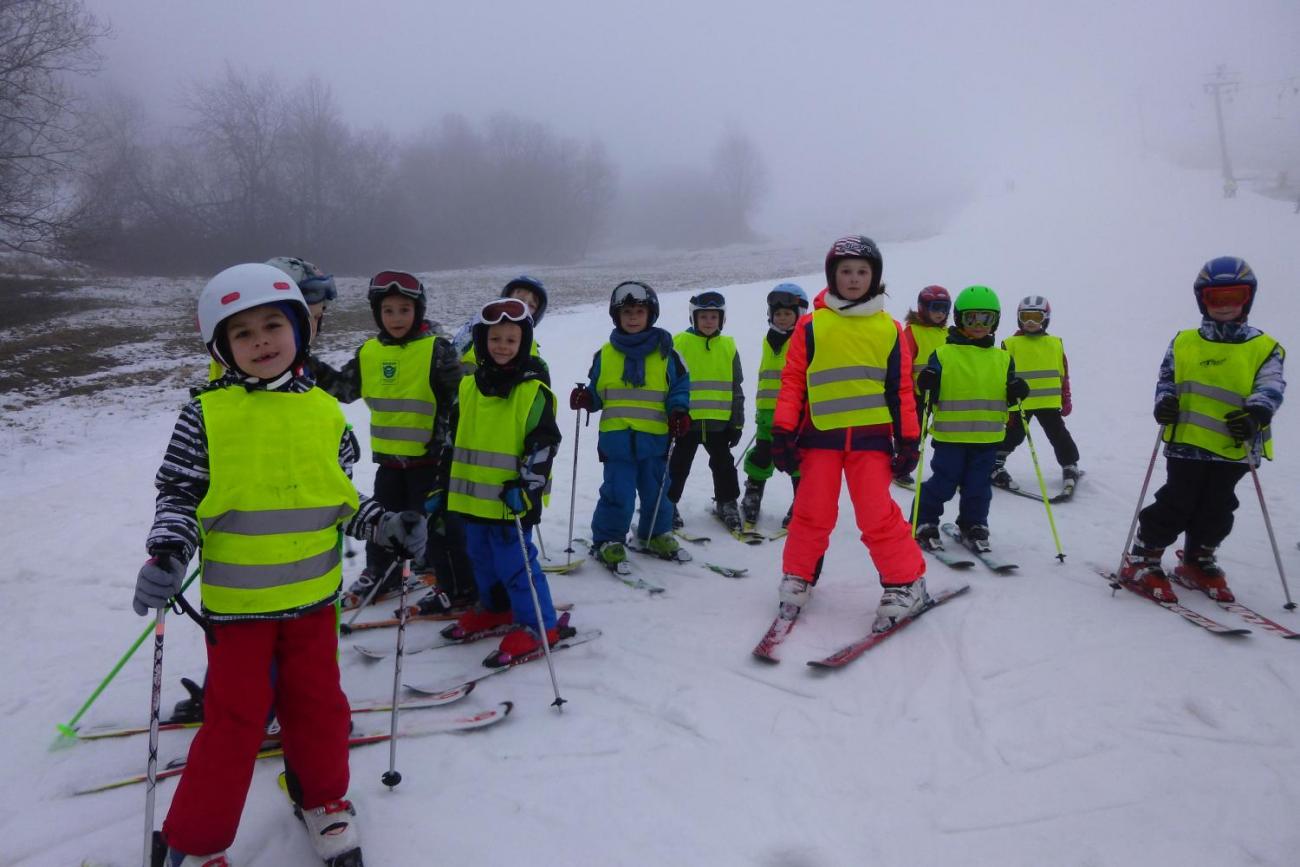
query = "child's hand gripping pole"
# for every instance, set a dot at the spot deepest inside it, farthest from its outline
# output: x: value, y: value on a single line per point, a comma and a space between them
x: 1042, y: 485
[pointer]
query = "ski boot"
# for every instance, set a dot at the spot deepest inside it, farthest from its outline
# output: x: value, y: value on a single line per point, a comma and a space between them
x: 524, y: 641
x: 1001, y: 478
x: 751, y: 500
x: 333, y: 831
x: 905, y: 479
x: 435, y: 602
x: 189, y: 709
x: 1198, y: 570
x: 899, y: 602
x: 729, y: 514
x: 664, y: 546
x: 927, y: 536
x: 1141, y: 572
x: 1071, y: 472
x: 678, y: 523
x: 610, y: 554
x: 180, y: 859
x: 793, y: 594
x: 477, y: 621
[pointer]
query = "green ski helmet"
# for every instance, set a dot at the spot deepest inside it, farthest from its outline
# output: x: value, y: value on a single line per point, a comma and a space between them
x: 977, y: 298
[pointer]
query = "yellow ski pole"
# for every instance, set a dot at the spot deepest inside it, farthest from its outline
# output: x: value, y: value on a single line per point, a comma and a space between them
x: 1042, y: 486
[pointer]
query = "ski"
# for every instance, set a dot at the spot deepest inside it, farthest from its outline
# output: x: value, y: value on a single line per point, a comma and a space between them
x: 728, y: 571
x: 390, y: 622
x: 1247, y: 614
x: 482, y: 673
x: 776, y: 633
x: 1182, y: 611
x: 980, y: 550
x: 850, y: 652
x: 564, y: 568
x: 944, y: 556
x: 622, y: 570
x: 479, y: 720
x: 691, y: 537
x: 432, y: 700
x: 383, y: 651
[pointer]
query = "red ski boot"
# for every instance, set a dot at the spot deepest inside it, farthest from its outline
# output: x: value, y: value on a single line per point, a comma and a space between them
x: 1198, y: 570
x: 1141, y: 572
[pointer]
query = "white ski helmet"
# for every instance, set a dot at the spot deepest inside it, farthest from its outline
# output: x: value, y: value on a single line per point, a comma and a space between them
x: 243, y: 287
x: 1034, y: 304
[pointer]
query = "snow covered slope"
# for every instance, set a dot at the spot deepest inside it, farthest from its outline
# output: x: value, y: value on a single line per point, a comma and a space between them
x: 1036, y: 720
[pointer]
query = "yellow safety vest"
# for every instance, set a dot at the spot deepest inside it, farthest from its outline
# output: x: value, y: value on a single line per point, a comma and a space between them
x: 1212, y: 380
x: 395, y: 385
x: 269, y: 522
x: 928, y: 338
x: 972, y: 404
x: 711, y: 364
x: 624, y: 407
x: 1040, y: 362
x: 489, y: 445
x: 770, y: 365
x: 846, y: 377
x: 469, y: 358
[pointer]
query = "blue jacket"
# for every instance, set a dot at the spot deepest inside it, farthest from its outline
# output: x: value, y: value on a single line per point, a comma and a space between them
x: 630, y: 445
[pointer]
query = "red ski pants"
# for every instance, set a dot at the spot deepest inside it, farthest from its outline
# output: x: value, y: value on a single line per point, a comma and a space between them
x: 309, y: 702
x: 885, y: 532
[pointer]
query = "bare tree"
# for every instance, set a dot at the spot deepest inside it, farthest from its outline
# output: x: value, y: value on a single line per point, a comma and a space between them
x: 741, y: 177
x: 43, y: 43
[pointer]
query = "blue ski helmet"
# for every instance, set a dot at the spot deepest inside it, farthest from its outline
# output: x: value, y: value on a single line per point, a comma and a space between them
x: 1225, y: 271
x: 533, y: 285
x: 786, y: 296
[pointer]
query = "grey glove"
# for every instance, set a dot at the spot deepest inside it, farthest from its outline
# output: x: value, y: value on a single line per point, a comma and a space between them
x: 403, y: 532
x: 159, y: 580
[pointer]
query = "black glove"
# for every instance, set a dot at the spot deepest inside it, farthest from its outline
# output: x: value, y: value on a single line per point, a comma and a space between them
x: 733, y: 437
x: 159, y: 580
x: 1167, y: 410
x: 906, y: 454
x: 761, y: 456
x: 1244, y: 424
x: 403, y: 532
x: 785, y: 454
x: 927, y: 382
x: 1017, y: 390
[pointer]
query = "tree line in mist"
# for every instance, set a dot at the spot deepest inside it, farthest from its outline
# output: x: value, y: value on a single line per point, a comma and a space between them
x: 253, y: 167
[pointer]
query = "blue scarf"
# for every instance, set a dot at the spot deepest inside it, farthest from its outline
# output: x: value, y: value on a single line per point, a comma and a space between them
x: 635, y: 348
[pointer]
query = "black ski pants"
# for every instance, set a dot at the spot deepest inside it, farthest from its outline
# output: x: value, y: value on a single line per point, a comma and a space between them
x: 726, y: 484
x: 400, y: 488
x: 1197, y: 498
x: 1053, y: 425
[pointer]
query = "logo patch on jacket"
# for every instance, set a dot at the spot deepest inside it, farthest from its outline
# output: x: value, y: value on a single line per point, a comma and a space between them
x: 1213, y: 362
x: 390, y: 370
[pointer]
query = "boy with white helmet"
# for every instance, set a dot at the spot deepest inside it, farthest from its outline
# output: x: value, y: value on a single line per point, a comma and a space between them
x: 257, y: 476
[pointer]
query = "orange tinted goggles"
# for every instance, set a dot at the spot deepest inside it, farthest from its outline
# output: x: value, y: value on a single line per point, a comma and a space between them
x: 1225, y: 296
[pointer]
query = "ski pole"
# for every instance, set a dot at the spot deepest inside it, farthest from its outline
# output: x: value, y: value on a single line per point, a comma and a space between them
x: 541, y: 545
x: 1042, y: 485
x: 663, y: 485
x: 346, y: 627
x: 744, y: 451
x: 68, y: 730
x: 1146, y: 481
x: 920, y: 464
x: 558, y: 704
x: 573, y: 485
x: 391, y: 777
x: 155, y: 704
x: 1272, y: 539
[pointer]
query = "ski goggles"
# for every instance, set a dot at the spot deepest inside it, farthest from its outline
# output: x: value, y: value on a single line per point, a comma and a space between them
x: 977, y: 318
x: 630, y: 293
x: 504, y: 310
x: 1037, y: 316
x: 400, y: 281
x: 785, y: 300
x: 317, y: 290
x: 940, y: 306
x: 709, y: 300
x: 1225, y: 296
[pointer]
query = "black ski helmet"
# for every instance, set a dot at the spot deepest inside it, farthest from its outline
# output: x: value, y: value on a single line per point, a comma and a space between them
x: 533, y: 285
x: 402, y: 283
x: 855, y: 247
x: 631, y: 292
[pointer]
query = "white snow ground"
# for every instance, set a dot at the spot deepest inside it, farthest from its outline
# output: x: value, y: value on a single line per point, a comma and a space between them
x: 1038, y: 720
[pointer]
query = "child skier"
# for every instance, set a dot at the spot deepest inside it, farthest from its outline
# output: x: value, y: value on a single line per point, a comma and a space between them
x: 785, y: 304
x: 1218, y: 389
x: 969, y: 383
x: 506, y: 440
x: 1040, y: 361
x: 641, y: 388
x: 926, y: 330
x: 846, y: 408
x: 528, y: 289
x: 408, y: 375
x: 256, y: 476
x: 717, y: 408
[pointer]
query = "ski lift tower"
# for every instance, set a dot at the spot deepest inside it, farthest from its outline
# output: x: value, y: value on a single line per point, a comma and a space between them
x: 1219, y: 86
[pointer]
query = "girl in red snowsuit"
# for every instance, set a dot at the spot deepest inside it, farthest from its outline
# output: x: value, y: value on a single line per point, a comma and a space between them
x: 846, y: 407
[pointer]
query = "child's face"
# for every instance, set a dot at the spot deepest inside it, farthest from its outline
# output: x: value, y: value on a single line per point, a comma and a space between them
x: 317, y: 314
x: 262, y: 341
x: 503, y: 341
x: 936, y: 317
x: 633, y: 318
x: 398, y: 315
x: 1225, y: 312
x: 525, y: 296
x: 853, y: 278
x: 975, y: 332
x: 784, y: 319
x: 707, y: 322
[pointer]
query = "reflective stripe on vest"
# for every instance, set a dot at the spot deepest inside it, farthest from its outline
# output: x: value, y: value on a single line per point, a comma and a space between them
x: 846, y: 377
x: 275, y: 500
x: 489, y: 445
x: 627, y: 408
x: 395, y: 385
x: 1203, y: 405
x: 1040, y: 362
x: 770, y: 365
x: 972, y: 405
x: 711, y: 364
x: 928, y: 338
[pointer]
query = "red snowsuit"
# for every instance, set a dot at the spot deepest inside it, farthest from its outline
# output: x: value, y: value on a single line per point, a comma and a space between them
x: 861, y: 453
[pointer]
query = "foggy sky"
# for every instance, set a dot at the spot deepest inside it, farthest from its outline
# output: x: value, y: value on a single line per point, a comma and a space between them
x: 880, y: 101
